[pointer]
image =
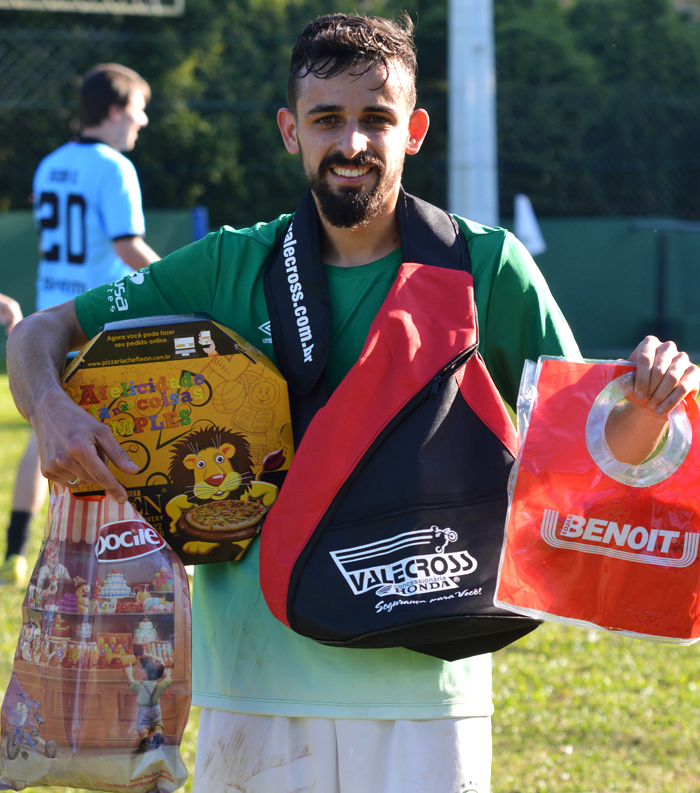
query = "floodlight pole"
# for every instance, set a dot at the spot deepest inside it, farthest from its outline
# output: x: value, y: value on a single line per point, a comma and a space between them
x: 473, y: 165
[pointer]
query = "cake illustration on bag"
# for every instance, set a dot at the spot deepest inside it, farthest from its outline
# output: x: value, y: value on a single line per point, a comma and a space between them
x: 60, y: 628
x: 145, y: 632
x: 115, y: 586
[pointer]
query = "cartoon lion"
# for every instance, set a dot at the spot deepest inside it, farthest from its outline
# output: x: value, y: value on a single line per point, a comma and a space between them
x: 213, y: 464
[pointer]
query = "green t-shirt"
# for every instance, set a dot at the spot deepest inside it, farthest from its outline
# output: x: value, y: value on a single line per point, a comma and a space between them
x: 243, y: 658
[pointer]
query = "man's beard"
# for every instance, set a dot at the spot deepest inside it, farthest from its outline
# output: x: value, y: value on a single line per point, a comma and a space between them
x: 352, y: 206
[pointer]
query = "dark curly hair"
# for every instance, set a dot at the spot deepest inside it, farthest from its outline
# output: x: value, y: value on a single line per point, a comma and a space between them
x: 338, y: 43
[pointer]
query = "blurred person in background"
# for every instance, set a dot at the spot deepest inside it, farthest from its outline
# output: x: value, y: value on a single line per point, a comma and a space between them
x: 89, y: 217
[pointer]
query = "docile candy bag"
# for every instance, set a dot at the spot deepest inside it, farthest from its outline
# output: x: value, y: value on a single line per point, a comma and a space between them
x: 591, y: 541
x: 101, y: 681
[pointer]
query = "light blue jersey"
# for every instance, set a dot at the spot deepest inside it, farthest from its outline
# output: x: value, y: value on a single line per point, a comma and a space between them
x: 86, y: 194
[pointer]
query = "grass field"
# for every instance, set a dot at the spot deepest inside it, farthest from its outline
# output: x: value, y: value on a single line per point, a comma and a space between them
x: 576, y: 711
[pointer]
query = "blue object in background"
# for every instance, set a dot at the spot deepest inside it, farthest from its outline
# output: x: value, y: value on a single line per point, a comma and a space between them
x: 200, y: 222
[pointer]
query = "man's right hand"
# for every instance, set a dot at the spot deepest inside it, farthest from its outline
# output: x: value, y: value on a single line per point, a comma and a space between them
x: 72, y: 444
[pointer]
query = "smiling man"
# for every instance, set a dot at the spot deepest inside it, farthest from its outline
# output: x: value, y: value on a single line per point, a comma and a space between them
x: 356, y: 130
x: 282, y: 713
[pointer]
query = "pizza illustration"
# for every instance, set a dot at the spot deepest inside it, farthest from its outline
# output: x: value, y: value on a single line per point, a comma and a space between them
x: 228, y: 519
x: 215, y: 466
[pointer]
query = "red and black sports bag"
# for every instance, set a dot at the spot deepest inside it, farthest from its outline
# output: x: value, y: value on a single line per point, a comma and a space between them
x: 389, y: 527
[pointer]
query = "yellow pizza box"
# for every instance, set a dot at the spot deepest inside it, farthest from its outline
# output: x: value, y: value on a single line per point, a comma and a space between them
x: 203, y: 413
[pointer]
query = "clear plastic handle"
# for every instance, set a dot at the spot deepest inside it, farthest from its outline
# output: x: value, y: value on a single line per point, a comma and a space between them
x: 658, y: 467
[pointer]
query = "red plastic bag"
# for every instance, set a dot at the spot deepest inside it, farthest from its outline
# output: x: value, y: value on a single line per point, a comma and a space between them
x: 101, y: 683
x: 592, y: 541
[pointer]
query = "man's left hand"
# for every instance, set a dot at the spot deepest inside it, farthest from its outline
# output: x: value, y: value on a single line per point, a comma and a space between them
x: 664, y: 376
x: 663, y: 379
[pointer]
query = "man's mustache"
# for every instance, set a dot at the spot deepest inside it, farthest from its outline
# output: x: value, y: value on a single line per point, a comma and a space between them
x: 361, y: 160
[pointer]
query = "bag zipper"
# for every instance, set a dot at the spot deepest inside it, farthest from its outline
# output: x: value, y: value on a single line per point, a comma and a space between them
x: 429, y: 391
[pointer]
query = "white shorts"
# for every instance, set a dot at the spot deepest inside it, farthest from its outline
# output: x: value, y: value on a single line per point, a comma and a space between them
x: 242, y: 753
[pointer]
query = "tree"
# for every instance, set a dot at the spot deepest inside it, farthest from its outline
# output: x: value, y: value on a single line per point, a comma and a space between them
x: 218, y: 77
x: 546, y: 88
x: 641, y: 148
x: 597, y: 102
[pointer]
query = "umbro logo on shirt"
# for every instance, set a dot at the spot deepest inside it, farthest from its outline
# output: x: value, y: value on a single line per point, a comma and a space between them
x: 265, y: 328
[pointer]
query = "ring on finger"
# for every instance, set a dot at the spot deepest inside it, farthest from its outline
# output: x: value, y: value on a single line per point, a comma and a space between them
x: 74, y: 481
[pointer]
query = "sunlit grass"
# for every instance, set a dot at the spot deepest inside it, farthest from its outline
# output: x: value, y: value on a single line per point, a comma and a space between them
x: 579, y: 711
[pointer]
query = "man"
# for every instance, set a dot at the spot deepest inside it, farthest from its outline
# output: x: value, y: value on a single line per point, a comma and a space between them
x: 280, y: 712
x: 87, y: 209
x: 53, y: 571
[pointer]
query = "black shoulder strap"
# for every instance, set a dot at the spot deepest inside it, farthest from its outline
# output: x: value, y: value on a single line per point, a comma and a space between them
x: 297, y: 298
x: 297, y: 301
x: 429, y: 235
